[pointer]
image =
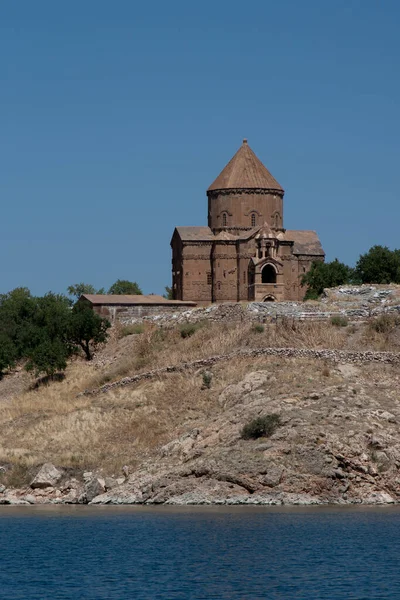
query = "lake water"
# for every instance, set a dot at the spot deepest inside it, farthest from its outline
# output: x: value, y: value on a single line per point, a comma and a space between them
x: 199, y: 553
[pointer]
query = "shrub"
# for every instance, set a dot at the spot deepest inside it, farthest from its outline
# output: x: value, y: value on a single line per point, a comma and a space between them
x: 258, y: 328
x: 261, y: 427
x: 339, y: 321
x: 189, y: 329
x: 207, y: 378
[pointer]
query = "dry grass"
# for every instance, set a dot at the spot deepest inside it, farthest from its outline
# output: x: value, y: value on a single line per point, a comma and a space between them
x: 127, y: 425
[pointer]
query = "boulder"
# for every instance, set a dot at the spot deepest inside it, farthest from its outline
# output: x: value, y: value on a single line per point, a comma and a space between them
x: 47, y: 477
x: 94, y: 487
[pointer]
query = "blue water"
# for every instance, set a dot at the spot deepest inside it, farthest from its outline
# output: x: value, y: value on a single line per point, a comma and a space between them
x: 238, y: 553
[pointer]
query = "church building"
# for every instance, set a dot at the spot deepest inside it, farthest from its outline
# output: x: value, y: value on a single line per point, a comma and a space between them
x: 245, y: 253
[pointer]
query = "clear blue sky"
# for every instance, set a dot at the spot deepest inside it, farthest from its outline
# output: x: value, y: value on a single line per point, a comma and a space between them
x: 116, y: 116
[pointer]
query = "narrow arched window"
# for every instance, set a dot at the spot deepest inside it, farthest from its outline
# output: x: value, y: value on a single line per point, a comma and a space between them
x: 277, y: 220
x: 224, y: 220
x: 268, y: 274
x: 253, y: 219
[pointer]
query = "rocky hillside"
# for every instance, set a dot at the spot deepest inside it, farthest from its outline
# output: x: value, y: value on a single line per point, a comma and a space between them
x: 175, y: 434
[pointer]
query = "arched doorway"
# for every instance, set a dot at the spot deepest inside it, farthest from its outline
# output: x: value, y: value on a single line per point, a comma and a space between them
x: 269, y: 299
x: 268, y: 274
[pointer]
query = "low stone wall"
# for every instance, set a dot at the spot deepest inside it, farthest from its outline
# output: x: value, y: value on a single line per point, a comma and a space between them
x: 326, y: 354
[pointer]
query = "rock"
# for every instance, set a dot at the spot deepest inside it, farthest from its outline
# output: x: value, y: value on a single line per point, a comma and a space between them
x: 111, y: 483
x: 87, y: 476
x: 122, y: 497
x: 94, y: 487
x: 273, y: 477
x: 348, y: 370
x: 30, y: 498
x: 48, y: 476
x: 11, y: 500
x: 2, y: 489
x: 72, y: 497
x: 378, y: 498
x: 233, y: 394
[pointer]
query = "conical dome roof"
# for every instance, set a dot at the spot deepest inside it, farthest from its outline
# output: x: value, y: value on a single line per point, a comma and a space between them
x: 245, y: 171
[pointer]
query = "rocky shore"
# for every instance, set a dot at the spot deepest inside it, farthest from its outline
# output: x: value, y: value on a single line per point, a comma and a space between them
x: 337, y: 443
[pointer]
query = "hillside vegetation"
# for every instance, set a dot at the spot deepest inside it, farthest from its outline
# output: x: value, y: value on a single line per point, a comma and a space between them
x: 56, y: 423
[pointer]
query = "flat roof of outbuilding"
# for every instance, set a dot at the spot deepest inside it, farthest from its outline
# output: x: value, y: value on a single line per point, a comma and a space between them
x: 134, y: 299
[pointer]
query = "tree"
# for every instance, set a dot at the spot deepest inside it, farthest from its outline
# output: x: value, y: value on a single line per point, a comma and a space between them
x: 169, y: 294
x: 8, y: 353
x: 87, y: 329
x: 48, y: 346
x: 325, y: 275
x: 123, y: 286
x: 49, y: 356
x: 16, y: 311
x: 83, y: 288
x: 379, y: 265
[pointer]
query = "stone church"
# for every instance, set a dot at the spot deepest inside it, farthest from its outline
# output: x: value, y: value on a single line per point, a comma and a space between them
x: 245, y: 253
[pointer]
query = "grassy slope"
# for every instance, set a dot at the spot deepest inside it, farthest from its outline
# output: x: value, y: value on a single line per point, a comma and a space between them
x: 127, y: 425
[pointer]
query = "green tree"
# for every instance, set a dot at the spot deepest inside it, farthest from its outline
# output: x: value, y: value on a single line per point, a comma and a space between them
x: 16, y: 312
x: 83, y: 288
x: 169, y: 294
x: 87, y: 329
x: 379, y: 265
x: 8, y: 353
x: 123, y: 286
x: 325, y: 275
x: 48, y: 357
x: 48, y: 346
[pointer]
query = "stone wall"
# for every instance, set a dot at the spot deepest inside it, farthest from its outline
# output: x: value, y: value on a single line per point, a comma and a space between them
x: 238, y: 206
x: 129, y: 314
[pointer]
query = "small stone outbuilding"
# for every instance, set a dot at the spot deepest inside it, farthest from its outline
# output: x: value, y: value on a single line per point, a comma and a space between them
x: 121, y: 307
x: 244, y: 253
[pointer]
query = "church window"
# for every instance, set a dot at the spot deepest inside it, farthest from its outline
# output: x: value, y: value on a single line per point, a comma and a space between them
x: 253, y: 219
x: 277, y: 220
x: 224, y: 220
x: 209, y: 278
x: 268, y: 274
x: 218, y: 285
x: 304, y: 269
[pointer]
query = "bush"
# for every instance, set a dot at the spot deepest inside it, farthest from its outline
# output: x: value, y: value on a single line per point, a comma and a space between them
x: 261, y: 427
x: 207, y: 378
x: 258, y: 328
x: 339, y: 321
x: 189, y: 329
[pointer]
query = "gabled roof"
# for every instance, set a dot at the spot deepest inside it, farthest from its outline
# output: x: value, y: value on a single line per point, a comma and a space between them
x: 195, y: 234
x: 126, y: 299
x: 305, y: 242
x: 245, y: 171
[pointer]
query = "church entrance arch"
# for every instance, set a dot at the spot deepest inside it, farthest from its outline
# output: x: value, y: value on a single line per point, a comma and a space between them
x: 269, y: 299
x: 268, y: 274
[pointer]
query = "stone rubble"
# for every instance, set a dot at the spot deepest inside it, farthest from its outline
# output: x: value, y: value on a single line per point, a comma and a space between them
x: 351, y: 302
